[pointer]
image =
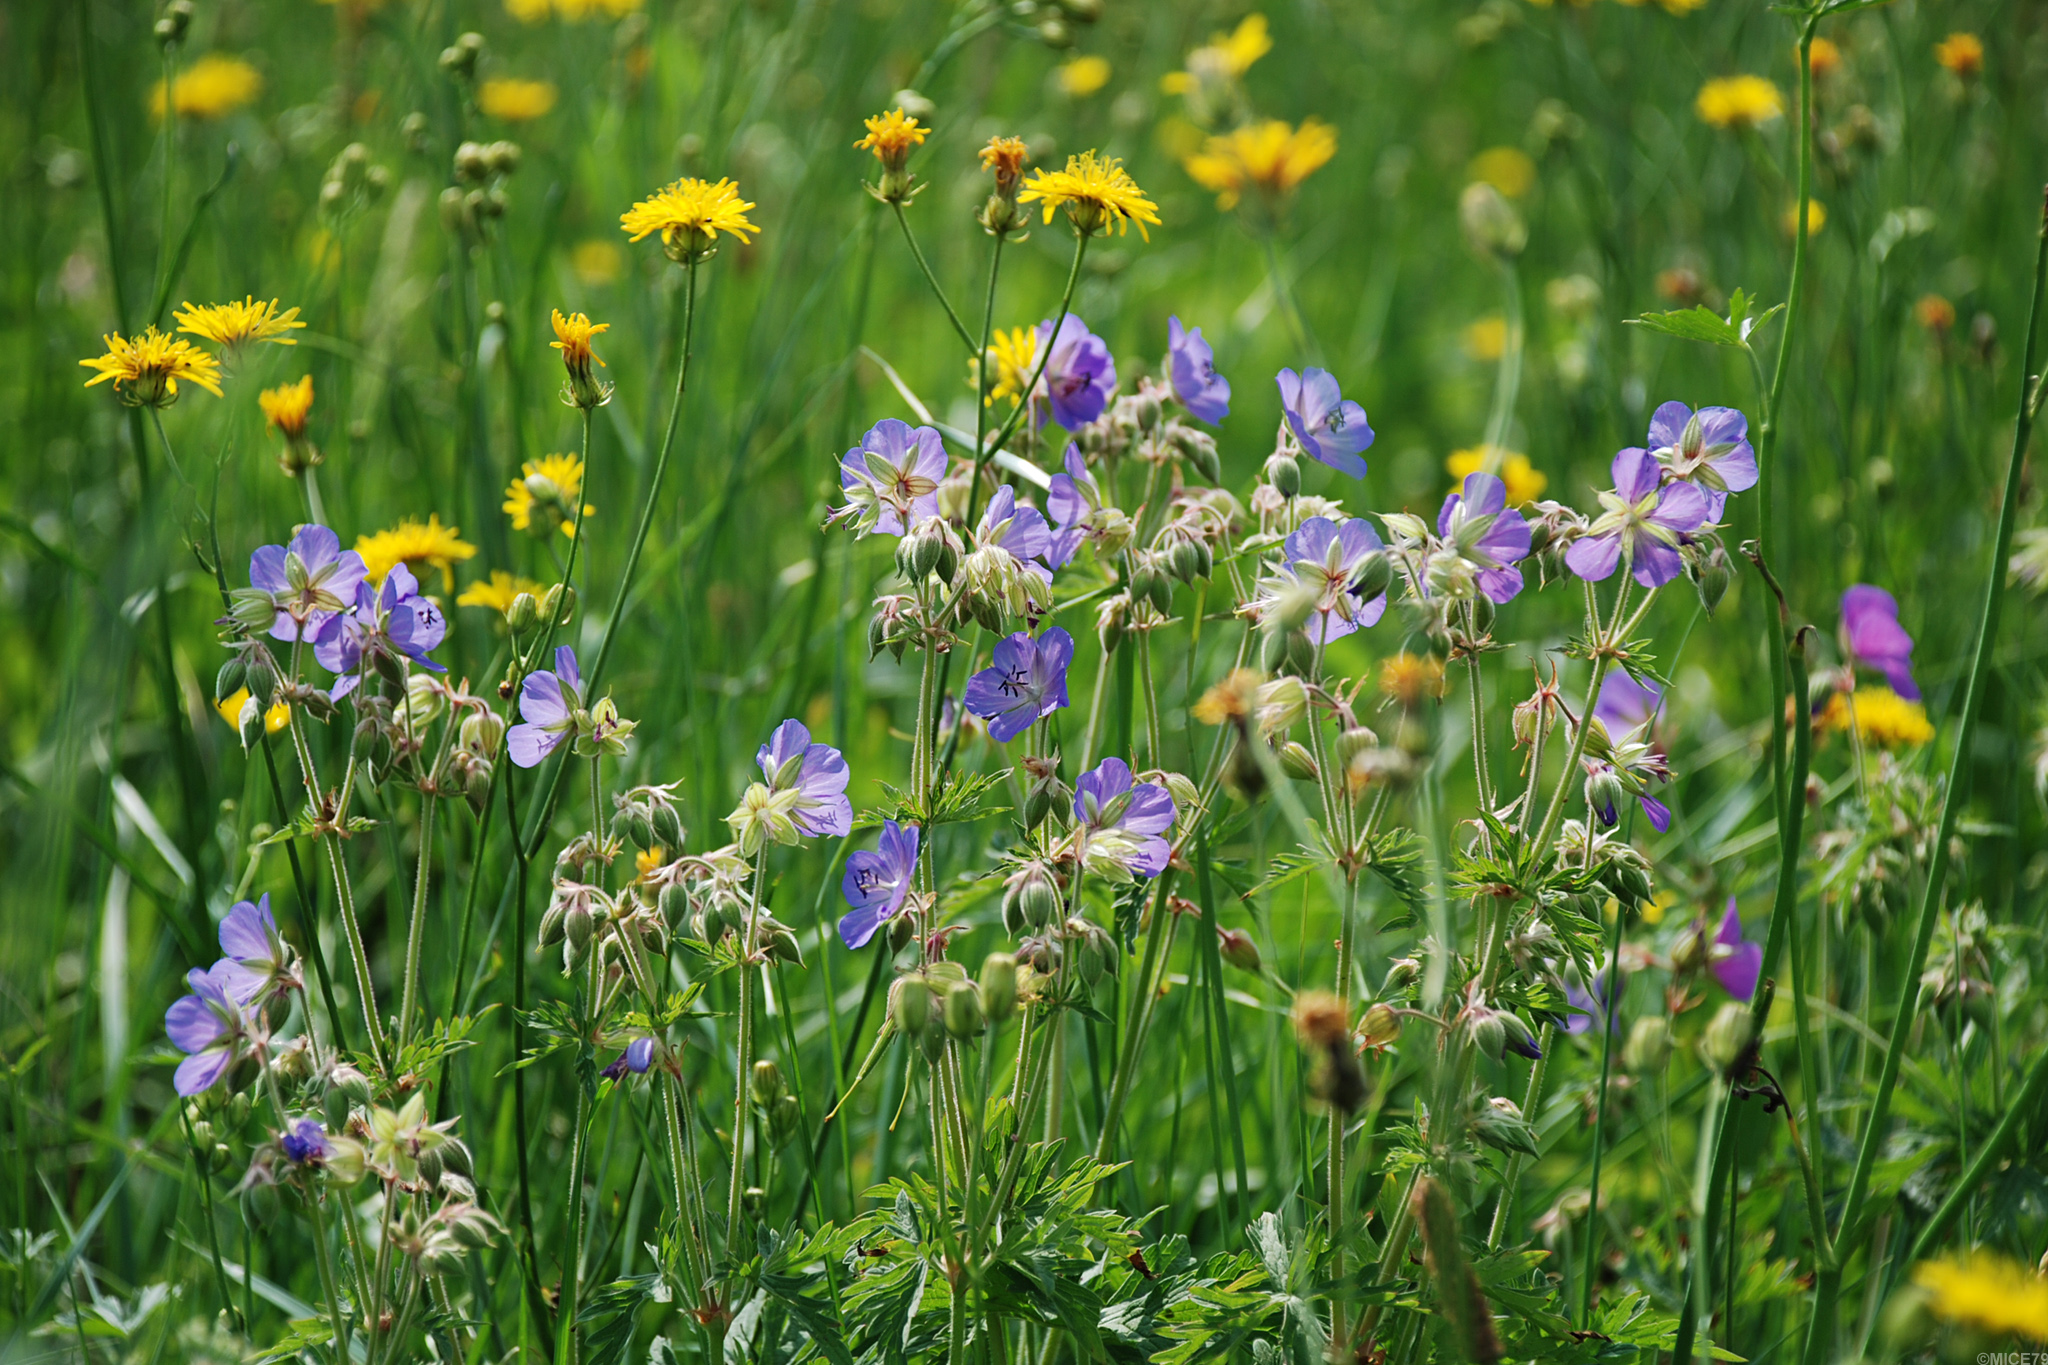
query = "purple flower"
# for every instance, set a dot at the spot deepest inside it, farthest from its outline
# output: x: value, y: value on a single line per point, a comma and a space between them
x: 1644, y: 522
x: 257, y: 962
x: 392, y: 622
x: 1607, y: 782
x: 305, y: 1142
x: 1026, y: 681
x: 1735, y: 961
x: 1121, y: 821
x: 1191, y: 366
x: 1074, y: 500
x: 892, y: 477
x: 1486, y: 533
x: 877, y: 882
x: 817, y: 773
x: 210, y: 1026
x: 1328, y: 558
x: 1626, y: 704
x: 548, y: 703
x: 1870, y: 621
x: 1329, y: 426
x: 1589, y: 1007
x: 1021, y: 531
x: 1709, y: 448
x: 306, y: 581
x: 638, y: 1056
x: 1079, y: 373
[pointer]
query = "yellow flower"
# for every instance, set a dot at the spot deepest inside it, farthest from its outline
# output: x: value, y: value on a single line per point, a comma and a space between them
x: 529, y: 11
x: 1095, y: 191
x: 1486, y: 339
x: 276, y: 718
x: 572, y: 339
x: 1083, y: 76
x: 1409, y: 678
x: 576, y: 11
x: 286, y: 406
x: 498, y: 590
x: 1681, y: 6
x: 689, y: 215
x: 1988, y: 1292
x: 1013, y: 354
x: 414, y: 542
x: 233, y: 325
x: 1882, y: 717
x: 1961, y: 53
x: 1228, y: 55
x: 1935, y: 313
x: 1229, y: 701
x: 1738, y: 102
x: 1004, y: 156
x: 1816, y: 218
x: 1525, y: 483
x: 1653, y: 909
x: 596, y: 262
x: 212, y: 87
x: 146, y: 370
x: 1270, y: 155
x: 1824, y: 56
x: 551, y: 486
x: 1507, y: 169
x: 891, y: 136
x: 647, y: 860
x: 515, y: 101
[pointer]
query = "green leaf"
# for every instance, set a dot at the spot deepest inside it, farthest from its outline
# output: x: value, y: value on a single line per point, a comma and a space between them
x: 1698, y: 323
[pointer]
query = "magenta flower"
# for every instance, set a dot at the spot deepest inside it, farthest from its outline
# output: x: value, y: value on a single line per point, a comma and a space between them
x: 1191, y: 367
x: 257, y: 965
x: 1626, y: 704
x: 817, y: 773
x: 1331, y: 428
x: 1026, y: 681
x: 1328, y: 558
x: 305, y: 1142
x: 306, y: 581
x: 1079, y: 373
x: 1870, y: 621
x: 637, y: 1058
x: 1487, y: 534
x: 1644, y: 523
x: 548, y: 703
x: 392, y: 622
x: 877, y: 883
x: 1709, y: 448
x: 210, y: 1026
x: 1121, y: 820
x: 1735, y: 961
x: 892, y: 477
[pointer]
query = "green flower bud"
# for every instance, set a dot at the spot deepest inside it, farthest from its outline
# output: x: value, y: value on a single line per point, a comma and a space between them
x: 1729, y: 1044
x: 964, y: 1018
x: 767, y: 1082
x: 910, y: 1005
x: 1648, y: 1046
x: 1380, y: 1026
x: 1402, y: 973
x: 998, y: 983
x: 228, y: 681
x: 524, y: 613
x: 1297, y: 762
x: 1284, y: 473
x: 1236, y: 947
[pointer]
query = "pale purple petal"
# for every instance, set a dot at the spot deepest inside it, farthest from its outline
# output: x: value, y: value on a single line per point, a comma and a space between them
x: 1635, y: 473
x: 1682, y: 507
x: 1593, y: 557
x: 1655, y: 563
x: 202, y: 1071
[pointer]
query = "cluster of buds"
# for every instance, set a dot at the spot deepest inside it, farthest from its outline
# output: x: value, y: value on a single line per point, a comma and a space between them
x: 1034, y: 899
x: 898, y: 622
x: 647, y: 817
x: 1497, y: 1121
x: 352, y: 183
x: 1001, y: 216
x: 479, y: 737
x: 1536, y: 716
x: 436, y: 1243
x: 1552, y: 528
x: 1000, y: 588
x: 478, y: 197
x: 941, y: 1002
x: 1708, y: 566
x: 405, y: 1149
x: 459, y: 59
x: 1045, y: 795
x: 781, y: 1115
x: 931, y: 547
x: 1495, y: 1032
x: 175, y: 23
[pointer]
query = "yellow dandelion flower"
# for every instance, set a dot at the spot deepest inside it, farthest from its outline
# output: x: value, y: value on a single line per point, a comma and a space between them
x: 497, y: 591
x: 276, y: 718
x: 1271, y: 156
x: 212, y: 87
x: 1738, y: 102
x: 529, y: 11
x: 233, y: 325
x: 1525, y: 483
x: 1961, y: 53
x: 1485, y: 340
x: 285, y: 408
x: 1823, y: 56
x: 547, y: 495
x: 1988, y: 1292
x: 1882, y: 717
x: 596, y: 263
x: 689, y: 215
x: 146, y: 370
x: 515, y: 101
x: 572, y: 338
x: 1226, y: 55
x: 414, y: 542
x: 1816, y: 218
x: 1410, y: 678
x: 1229, y: 701
x: 1507, y: 169
x: 1012, y: 355
x: 1096, y: 192
x: 891, y: 136
x: 1083, y: 76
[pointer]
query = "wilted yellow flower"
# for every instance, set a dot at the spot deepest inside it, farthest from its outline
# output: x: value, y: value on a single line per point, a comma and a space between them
x: 1012, y: 355
x: 413, y: 542
x: 146, y: 370
x: 1320, y: 1019
x: 1507, y: 169
x: 515, y: 101
x: 1738, y: 102
x: 1228, y: 55
x: 285, y: 408
x: 1486, y: 339
x: 212, y: 87
x: 233, y: 325
x: 1882, y: 717
x: 1961, y: 53
x: 497, y: 591
x: 1988, y: 1292
x: 1525, y: 483
x: 552, y: 484
x: 1096, y: 192
x: 1271, y: 156
x: 596, y: 262
x: 1935, y: 313
x: 572, y: 339
x: 1816, y: 218
x: 1083, y: 76
x: 276, y: 718
x: 689, y: 215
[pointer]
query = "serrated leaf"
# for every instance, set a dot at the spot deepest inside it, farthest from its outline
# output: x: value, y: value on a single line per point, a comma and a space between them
x: 1698, y: 323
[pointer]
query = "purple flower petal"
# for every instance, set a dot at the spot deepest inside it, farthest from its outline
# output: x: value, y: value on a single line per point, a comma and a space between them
x: 1593, y: 557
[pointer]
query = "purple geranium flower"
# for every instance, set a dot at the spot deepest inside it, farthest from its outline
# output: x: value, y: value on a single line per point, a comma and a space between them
x: 892, y: 477
x: 1870, y: 621
x: 307, y: 581
x: 1121, y: 820
x: 1073, y: 500
x: 393, y: 621
x: 1022, y: 531
x: 876, y: 883
x: 210, y: 1026
x: 1026, y: 682
x: 1644, y: 522
x: 305, y: 1142
x: 1735, y: 961
x: 817, y: 773
x: 638, y: 1056
x: 1486, y: 533
x: 548, y: 703
x: 1709, y: 448
x: 257, y: 963
x: 1330, y: 427
x: 1079, y: 373
x: 1328, y: 557
x: 1626, y: 704
x: 1191, y: 366
x: 1589, y: 1007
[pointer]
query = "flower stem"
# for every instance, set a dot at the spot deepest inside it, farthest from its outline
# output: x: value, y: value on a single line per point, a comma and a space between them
x: 1604, y: 1021
x: 344, y: 895
x: 959, y: 327
x: 409, y: 999
x: 744, y: 1063
x: 1045, y: 353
